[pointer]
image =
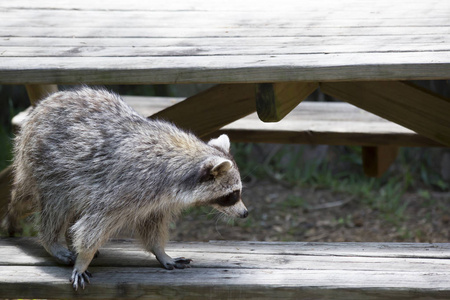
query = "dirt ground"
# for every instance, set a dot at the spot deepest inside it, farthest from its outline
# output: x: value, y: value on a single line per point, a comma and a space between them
x: 276, y: 214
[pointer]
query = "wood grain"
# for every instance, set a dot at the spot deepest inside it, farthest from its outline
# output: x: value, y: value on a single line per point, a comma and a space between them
x: 218, y: 5
x: 331, y: 123
x: 222, y: 42
x: 275, y: 100
x: 212, y: 109
x: 84, y: 31
x: 253, y: 270
x: 223, y: 69
x: 401, y: 102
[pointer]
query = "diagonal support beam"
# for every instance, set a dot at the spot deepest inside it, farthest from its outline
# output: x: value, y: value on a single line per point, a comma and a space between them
x: 275, y: 100
x: 212, y: 109
x: 401, y: 102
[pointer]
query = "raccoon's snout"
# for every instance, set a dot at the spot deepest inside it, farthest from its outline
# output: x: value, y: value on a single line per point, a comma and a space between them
x: 238, y: 210
x: 230, y: 205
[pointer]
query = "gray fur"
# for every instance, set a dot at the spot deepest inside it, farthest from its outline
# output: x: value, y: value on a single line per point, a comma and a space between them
x: 91, y: 165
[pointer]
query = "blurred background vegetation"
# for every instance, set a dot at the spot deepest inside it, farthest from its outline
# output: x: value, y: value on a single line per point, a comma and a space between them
x: 422, y: 171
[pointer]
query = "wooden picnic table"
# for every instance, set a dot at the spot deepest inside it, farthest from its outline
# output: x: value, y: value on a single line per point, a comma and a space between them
x: 263, y: 56
x: 358, y: 51
x: 131, y: 42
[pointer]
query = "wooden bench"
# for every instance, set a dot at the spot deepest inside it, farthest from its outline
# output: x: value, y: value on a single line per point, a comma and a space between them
x: 236, y: 270
x: 264, y: 56
x: 327, y: 123
x: 314, y: 123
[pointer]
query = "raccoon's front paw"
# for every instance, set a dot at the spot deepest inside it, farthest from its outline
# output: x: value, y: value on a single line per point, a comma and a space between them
x: 80, y: 279
x: 178, y: 263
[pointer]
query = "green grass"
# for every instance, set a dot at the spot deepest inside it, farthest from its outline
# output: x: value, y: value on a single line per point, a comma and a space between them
x: 413, y: 171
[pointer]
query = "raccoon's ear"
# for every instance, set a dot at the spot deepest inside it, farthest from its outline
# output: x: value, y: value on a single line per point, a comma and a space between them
x: 210, y: 171
x: 221, y: 167
x: 222, y: 142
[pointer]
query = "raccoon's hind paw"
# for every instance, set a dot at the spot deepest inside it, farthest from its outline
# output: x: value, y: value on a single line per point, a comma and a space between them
x: 177, y: 263
x: 182, y: 263
x: 80, y: 279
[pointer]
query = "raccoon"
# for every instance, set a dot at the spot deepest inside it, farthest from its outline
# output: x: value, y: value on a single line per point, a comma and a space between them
x: 91, y: 165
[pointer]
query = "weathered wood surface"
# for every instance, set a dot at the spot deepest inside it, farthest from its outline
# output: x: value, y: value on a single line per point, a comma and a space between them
x: 329, y: 123
x: 210, y: 110
x: 401, y: 102
x: 275, y: 100
x: 222, y: 41
x: 237, y: 270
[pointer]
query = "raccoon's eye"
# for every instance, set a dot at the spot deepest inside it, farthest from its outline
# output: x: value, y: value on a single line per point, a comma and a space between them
x: 228, y: 200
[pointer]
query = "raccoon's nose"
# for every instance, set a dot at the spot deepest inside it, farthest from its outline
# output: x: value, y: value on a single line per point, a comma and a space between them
x: 244, y: 214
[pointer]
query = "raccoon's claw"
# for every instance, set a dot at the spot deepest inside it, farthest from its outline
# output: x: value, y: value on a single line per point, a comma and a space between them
x: 182, y: 263
x: 80, y: 279
x: 177, y: 263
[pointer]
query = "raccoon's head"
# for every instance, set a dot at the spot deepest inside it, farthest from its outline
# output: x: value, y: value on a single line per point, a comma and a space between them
x: 220, y: 181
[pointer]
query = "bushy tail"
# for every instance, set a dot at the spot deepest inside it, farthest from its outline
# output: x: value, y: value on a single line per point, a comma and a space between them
x: 14, y: 201
x: 7, y: 221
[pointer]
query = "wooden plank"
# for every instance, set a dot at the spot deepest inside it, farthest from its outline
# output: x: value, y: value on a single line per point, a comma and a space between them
x: 109, y: 283
x: 238, y: 270
x: 400, y: 102
x: 275, y: 100
x: 217, y: 32
x: 207, y: 255
x: 202, y: 50
x: 351, y: 249
x: 220, y: 42
x: 305, y: 43
x: 310, y: 123
x: 331, y: 123
x: 249, y: 5
x: 208, y: 111
x: 377, y: 160
x: 196, y: 18
x: 225, y: 69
